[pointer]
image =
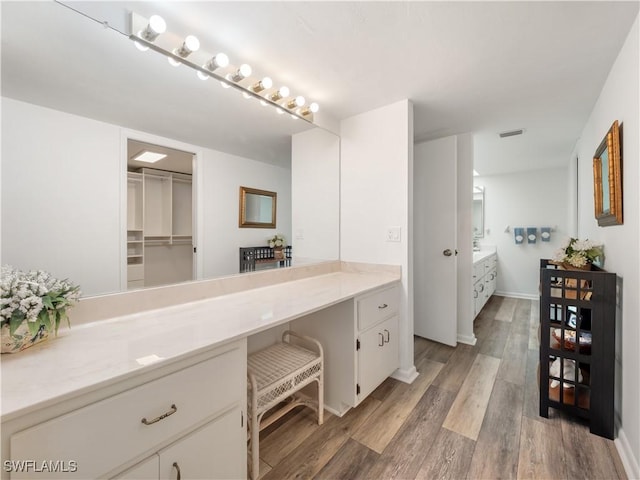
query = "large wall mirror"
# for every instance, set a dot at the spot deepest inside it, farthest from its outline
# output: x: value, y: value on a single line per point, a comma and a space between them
x: 257, y: 208
x: 65, y: 134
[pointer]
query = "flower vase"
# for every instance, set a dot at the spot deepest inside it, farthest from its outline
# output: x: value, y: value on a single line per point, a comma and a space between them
x: 21, y: 338
x: 568, y: 266
x: 278, y: 253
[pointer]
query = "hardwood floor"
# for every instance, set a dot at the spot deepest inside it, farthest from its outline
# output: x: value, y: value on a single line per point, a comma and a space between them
x: 472, y: 413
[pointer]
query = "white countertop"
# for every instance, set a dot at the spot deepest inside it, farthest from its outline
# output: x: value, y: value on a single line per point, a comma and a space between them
x: 481, y: 255
x: 94, y: 355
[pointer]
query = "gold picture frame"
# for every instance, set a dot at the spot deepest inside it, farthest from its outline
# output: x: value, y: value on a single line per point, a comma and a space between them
x: 607, y: 179
x: 257, y: 208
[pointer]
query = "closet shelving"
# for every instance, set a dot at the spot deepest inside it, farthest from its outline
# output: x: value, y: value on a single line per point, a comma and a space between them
x: 159, y: 212
x: 577, y: 344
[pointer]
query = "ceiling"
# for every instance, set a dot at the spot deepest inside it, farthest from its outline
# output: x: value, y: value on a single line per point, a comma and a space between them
x: 481, y: 67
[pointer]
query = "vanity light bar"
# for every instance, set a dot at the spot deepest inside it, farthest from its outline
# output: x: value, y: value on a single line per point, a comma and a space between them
x: 230, y: 76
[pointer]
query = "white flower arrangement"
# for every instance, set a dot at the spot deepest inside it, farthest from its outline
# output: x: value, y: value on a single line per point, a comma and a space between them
x: 277, y: 241
x: 578, y: 252
x: 35, y: 297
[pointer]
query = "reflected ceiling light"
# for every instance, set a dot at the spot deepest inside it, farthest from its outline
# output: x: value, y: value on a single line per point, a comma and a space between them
x: 191, y: 44
x: 243, y: 72
x: 263, y: 84
x: 295, y: 102
x: 149, y: 157
x: 279, y: 94
x: 246, y: 95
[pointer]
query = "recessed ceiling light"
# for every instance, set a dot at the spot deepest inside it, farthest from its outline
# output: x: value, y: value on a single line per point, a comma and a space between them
x: 149, y: 157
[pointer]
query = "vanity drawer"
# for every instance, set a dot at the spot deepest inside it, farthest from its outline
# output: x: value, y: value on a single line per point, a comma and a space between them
x: 478, y: 270
x: 374, y: 308
x: 108, y: 433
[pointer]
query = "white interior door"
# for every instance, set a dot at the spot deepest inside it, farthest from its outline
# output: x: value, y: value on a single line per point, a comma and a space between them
x: 435, y: 232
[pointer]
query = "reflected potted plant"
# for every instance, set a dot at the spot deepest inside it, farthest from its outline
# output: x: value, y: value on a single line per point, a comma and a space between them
x: 576, y: 254
x: 277, y: 242
x: 33, y: 305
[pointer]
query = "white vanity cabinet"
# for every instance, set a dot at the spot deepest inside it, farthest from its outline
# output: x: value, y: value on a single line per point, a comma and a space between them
x: 485, y: 274
x: 360, y: 342
x: 194, y: 417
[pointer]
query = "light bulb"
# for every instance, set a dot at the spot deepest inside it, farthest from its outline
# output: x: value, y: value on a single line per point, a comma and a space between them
x: 156, y: 26
x: 280, y: 94
x: 296, y: 102
x: 218, y: 61
x: 284, y: 91
x: 243, y: 72
x: 263, y: 84
x: 192, y: 43
x: 314, y: 107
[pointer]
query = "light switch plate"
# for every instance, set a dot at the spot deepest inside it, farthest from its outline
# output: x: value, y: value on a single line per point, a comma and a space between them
x: 394, y: 234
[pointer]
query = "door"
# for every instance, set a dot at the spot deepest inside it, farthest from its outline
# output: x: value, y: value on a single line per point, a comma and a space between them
x: 435, y: 232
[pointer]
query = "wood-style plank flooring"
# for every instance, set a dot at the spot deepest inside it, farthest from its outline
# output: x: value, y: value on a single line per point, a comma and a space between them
x: 471, y: 414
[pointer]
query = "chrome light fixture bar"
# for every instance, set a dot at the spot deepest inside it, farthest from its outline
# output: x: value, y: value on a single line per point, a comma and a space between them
x: 145, y: 33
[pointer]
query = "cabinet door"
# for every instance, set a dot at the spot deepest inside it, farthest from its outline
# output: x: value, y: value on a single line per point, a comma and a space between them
x: 148, y: 469
x: 215, y: 451
x: 378, y: 355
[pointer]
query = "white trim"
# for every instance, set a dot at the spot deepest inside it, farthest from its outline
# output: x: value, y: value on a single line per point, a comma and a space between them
x: 629, y: 462
x: 467, y: 339
x: 525, y: 296
x: 406, y: 375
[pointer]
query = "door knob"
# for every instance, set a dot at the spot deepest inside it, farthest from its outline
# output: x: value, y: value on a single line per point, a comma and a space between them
x: 447, y: 252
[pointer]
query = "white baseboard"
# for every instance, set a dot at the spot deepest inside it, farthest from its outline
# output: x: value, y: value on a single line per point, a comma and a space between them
x: 626, y: 455
x: 467, y: 339
x: 525, y: 296
x: 406, y: 376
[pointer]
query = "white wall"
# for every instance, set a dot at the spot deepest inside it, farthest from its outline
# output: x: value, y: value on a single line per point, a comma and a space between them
x: 376, y: 192
x: 619, y: 100
x: 61, y: 183
x: 62, y: 177
x: 536, y: 198
x: 315, y: 194
x: 223, y: 174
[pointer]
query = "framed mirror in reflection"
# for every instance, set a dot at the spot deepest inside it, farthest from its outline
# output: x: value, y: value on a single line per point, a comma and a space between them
x: 257, y: 208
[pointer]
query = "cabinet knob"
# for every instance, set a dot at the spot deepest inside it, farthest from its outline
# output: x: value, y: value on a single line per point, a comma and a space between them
x: 447, y: 252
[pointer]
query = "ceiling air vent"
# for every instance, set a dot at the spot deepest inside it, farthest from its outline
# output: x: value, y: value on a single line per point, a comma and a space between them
x: 512, y: 133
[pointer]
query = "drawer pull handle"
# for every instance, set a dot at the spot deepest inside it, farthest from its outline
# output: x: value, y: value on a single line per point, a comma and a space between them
x: 386, y: 340
x: 381, y: 338
x: 177, y: 467
x: 384, y: 305
x: 173, y: 410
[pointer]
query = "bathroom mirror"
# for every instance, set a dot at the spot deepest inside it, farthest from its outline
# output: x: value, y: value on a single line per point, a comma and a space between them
x: 478, y: 212
x: 257, y: 208
x: 63, y: 135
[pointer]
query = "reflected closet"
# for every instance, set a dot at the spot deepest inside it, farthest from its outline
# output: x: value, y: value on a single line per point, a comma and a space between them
x: 159, y: 215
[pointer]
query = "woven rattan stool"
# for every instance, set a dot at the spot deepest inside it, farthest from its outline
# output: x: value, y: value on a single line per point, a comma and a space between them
x: 275, y: 374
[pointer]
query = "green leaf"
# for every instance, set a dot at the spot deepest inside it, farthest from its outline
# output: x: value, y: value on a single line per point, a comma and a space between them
x: 14, y: 322
x: 46, y: 301
x: 33, y: 327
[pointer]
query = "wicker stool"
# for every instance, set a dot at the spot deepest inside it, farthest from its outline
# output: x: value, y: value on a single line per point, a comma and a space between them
x: 275, y: 375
